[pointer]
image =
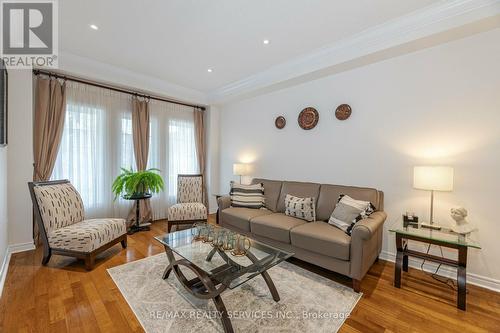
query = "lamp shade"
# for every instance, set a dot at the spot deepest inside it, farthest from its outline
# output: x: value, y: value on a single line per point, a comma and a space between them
x: 240, y: 169
x: 437, y: 178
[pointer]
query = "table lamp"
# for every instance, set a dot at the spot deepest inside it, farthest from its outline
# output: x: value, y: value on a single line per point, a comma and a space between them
x: 433, y: 178
x: 240, y: 169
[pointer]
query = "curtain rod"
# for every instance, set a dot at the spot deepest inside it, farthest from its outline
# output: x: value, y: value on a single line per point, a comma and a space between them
x: 110, y: 87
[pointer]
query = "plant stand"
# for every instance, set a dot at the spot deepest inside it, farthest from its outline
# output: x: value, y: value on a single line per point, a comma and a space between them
x: 138, y: 226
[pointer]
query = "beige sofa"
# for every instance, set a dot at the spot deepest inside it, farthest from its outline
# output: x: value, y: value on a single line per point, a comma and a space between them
x: 316, y: 242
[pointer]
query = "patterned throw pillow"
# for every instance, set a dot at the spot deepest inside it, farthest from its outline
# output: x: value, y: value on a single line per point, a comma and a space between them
x: 247, y: 196
x: 348, y: 211
x: 301, y: 208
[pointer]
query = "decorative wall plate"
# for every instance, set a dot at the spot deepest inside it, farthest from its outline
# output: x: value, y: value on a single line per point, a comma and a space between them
x: 308, y: 118
x: 280, y: 122
x: 343, y: 112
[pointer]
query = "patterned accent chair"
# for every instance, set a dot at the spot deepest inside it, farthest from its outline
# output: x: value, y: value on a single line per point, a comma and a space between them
x: 59, y: 213
x: 189, y: 207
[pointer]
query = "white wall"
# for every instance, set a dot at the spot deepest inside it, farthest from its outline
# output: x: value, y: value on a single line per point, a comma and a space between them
x: 212, y: 147
x: 435, y: 106
x: 20, y: 156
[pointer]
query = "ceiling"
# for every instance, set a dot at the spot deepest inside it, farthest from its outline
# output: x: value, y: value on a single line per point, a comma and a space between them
x: 178, y: 40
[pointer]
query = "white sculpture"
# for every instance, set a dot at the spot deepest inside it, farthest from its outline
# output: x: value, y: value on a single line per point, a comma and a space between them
x: 462, y: 225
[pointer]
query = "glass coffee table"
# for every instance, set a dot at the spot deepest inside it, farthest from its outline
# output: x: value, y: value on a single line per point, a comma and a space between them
x: 219, y: 259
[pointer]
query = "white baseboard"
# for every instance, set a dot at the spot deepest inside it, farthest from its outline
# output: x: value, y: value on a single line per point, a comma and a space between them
x: 446, y: 271
x: 14, y: 248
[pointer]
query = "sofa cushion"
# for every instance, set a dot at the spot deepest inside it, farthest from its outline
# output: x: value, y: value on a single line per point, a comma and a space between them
x: 187, y: 211
x: 298, y: 189
x: 272, y: 190
x: 276, y: 226
x: 322, y: 238
x: 239, y: 217
x: 87, y: 235
x: 329, y: 194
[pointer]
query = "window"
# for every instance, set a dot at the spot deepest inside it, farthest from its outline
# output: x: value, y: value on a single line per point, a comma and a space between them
x: 80, y: 143
x: 127, y: 144
x: 182, y: 151
x: 97, y: 141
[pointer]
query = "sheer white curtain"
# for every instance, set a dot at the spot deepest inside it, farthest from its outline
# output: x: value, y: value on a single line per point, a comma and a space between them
x: 172, y: 150
x: 97, y: 141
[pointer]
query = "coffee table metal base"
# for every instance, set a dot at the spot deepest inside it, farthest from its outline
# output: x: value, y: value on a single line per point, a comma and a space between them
x: 205, y: 287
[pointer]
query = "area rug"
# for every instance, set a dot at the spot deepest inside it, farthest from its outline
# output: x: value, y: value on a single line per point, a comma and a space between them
x: 309, y: 302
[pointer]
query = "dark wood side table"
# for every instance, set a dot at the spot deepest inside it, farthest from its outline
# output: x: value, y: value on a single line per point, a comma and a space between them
x: 445, y: 238
x: 138, y: 226
x: 217, y: 196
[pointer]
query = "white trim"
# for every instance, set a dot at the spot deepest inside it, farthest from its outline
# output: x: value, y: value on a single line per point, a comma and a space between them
x: 4, y: 269
x: 14, y: 248
x: 21, y: 247
x: 437, y: 18
x: 446, y: 271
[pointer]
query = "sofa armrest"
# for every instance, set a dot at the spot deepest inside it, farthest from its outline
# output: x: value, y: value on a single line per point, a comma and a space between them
x: 224, y: 202
x: 366, y: 228
x: 366, y: 243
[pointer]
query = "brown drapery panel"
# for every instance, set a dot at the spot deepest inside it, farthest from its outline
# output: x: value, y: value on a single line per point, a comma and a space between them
x: 199, y: 128
x: 140, y: 135
x: 48, y: 125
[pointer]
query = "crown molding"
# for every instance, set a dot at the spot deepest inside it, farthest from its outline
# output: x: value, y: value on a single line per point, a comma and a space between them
x: 431, y: 20
x: 96, y: 70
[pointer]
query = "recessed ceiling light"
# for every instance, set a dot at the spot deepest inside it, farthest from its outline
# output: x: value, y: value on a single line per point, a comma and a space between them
x: 210, y: 70
x: 94, y: 27
x: 265, y: 41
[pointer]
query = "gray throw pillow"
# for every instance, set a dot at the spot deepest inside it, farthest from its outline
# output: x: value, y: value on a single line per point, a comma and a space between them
x: 348, y: 211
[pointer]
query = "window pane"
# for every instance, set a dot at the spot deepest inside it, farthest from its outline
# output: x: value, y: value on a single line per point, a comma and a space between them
x: 127, y: 152
x: 182, y: 151
x: 80, y: 143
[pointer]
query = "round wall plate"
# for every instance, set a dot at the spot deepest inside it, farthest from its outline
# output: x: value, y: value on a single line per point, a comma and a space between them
x: 308, y: 118
x: 280, y: 122
x: 343, y: 112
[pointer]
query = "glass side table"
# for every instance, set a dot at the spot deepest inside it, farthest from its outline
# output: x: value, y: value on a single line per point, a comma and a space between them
x: 445, y: 238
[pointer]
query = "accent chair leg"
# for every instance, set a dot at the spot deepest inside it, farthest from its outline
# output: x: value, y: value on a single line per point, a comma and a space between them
x: 169, y: 227
x: 376, y: 259
x: 124, y: 242
x: 89, y: 262
x: 46, y: 256
x: 356, y: 285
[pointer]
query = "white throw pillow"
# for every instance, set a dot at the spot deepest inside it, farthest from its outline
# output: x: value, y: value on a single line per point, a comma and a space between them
x: 301, y: 208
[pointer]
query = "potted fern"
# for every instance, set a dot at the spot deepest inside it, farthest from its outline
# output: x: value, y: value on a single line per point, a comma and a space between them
x: 139, y: 184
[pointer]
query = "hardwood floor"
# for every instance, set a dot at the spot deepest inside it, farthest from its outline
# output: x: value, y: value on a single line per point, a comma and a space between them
x: 63, y: 297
